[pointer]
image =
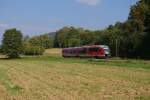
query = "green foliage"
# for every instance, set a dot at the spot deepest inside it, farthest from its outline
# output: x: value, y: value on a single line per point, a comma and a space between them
x: 140, y: 20
x: 36, y: 45
x: 73, y: 42
x: 33, y: 50
x: 42, y: 40
x: 87, y: 37
x: 1, y: 49
x: 66, y: 37
x: 70, y: 37
x: 146, y: 40
x: 12, y: 43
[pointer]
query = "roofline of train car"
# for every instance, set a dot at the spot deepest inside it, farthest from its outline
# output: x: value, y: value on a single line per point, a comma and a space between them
x: 88, y: 46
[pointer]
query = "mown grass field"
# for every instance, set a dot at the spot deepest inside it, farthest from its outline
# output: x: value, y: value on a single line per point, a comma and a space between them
x: 51, y: 77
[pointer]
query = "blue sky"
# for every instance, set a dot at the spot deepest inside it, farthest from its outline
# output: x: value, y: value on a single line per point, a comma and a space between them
x: 34, y: 17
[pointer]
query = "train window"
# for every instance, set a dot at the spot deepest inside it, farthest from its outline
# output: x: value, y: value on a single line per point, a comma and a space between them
x: 73, y: 51
x: 70, y: 51
x: 83, y: 51
x: 93, y: 49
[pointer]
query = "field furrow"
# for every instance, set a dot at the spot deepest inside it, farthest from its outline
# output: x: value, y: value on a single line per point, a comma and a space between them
x: 68, y: 79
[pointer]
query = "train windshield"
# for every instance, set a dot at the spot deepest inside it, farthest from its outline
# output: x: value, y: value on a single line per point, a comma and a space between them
x: 107, y: 50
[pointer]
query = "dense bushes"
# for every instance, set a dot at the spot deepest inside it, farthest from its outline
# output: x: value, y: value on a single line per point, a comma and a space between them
x: 41, y: 40
x: 33, y: 50
x: 36, y: 45
x: 30, y: 49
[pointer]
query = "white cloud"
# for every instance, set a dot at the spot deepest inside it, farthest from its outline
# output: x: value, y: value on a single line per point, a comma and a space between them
x: 89, y: 2
x: 4, y: 25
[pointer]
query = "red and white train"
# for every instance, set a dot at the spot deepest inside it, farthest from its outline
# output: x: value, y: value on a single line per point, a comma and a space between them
x: 93, y: 51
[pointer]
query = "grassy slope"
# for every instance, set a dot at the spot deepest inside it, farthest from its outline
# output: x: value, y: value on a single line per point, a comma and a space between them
x: 53, y: 77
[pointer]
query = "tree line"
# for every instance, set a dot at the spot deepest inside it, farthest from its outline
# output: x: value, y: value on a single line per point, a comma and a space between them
x: 129, y: 39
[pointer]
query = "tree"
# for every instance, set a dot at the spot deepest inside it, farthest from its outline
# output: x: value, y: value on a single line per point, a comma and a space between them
x: 73, y: 42
x: 1, y: 49
x: 61, y: 37
x: 36, y: 45
x: 140, y: 19
x: 42, y: 40
x: 87, y: 37
x: 146, y: 41
x: 33, y: 50
x: 12, y: 43
x: 66, y: 37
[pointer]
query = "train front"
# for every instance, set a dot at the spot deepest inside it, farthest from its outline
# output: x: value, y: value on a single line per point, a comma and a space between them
x: 106, y: 51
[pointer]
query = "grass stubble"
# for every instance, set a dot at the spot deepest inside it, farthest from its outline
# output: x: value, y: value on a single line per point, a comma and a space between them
x: 52, y: 77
